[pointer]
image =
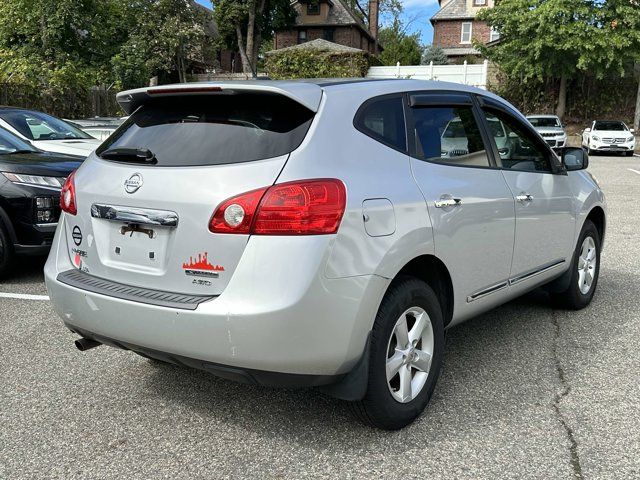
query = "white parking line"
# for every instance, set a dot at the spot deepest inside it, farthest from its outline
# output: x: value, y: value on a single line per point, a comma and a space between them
x: 634, y: 171
x: 24, y: 296
x: 636, y: 155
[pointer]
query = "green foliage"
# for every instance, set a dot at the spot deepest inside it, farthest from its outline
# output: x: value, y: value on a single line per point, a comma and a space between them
x: 399, y: 46
x: 163, y: 35
x: 552, y: 38
x: 435, y: 54
x: 58, y: 47
x: 316, y: 63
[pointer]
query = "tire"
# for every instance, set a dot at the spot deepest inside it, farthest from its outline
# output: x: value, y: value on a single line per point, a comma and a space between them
x: 7, y: 253
x: 580, y: 292
x: 414, y: 301
x: 629, y: 154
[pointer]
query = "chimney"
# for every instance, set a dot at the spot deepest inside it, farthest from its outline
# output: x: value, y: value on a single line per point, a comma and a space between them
x: 374, y: 14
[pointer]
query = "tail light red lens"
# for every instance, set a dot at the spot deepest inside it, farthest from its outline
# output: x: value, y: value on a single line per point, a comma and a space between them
x: 236, y: 214
x: 68, y: 196
x: 308, y: 207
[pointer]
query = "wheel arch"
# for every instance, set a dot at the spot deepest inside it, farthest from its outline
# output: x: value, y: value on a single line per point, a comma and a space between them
x: 599, y: 219
x: 434, y: 272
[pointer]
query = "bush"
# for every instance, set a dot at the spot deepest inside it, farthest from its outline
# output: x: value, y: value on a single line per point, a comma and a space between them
x: 316, y: 63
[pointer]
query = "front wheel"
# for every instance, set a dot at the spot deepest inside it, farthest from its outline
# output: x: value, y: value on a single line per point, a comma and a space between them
x: 407, y: 349
x: 585, y: 269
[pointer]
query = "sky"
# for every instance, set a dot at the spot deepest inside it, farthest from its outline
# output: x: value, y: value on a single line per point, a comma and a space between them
x: 416, y: 12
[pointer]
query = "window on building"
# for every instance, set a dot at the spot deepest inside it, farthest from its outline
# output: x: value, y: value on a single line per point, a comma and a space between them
x: 495, y: 35
x: 466, y: 32
x: 302, y: 36
x: 329, y: 34
x: 479, y: 3
x: 313, y: 7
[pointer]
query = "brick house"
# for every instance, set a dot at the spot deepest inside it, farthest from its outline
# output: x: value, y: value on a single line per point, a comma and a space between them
x: 334, y: 21
x: 455, y: 26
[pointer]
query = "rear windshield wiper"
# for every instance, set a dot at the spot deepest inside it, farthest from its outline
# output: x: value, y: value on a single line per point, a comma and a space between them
x: 130, y: 155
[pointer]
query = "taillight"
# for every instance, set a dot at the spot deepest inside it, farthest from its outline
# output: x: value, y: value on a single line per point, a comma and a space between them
x: 68, y: 196
x: 308, y: 207
x: 236, y: 214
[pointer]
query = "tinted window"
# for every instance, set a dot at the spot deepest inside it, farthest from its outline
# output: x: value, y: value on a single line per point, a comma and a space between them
x: 10, y: 143
x: 40, y: 126
x: 517, y: 147
x: 383, y: 119
x: 449, y: 135
x: 611, y: 126
x: 214, y: 129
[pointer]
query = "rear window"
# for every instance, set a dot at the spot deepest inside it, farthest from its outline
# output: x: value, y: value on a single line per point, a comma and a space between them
x: 214, y: 129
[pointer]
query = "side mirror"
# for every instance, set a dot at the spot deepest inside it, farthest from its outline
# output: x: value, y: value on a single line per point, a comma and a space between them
x: 632, y: 130
x: 587, y: 130
x: 575, y: 158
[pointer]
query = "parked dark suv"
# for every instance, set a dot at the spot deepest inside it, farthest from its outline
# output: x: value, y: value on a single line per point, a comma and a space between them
x: 30, y: 183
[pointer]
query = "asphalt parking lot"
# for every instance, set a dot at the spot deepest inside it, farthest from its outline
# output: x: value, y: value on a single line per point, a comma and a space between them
x: 527, y: 392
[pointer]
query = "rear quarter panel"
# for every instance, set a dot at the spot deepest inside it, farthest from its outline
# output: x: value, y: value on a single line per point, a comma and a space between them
x: 334, y: 148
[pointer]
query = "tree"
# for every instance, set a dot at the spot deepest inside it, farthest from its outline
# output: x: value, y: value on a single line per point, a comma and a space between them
x: 163, y: 35
x: 435, y: 54
x: 399, y: 46
x: 542, y: 39
x: 245, y: 24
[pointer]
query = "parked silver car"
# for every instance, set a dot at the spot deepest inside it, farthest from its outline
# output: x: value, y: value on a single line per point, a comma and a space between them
x: 313, y: 234
x: 551, y: 129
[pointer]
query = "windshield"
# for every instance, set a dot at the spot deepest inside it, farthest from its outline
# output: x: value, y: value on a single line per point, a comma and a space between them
x: 610, y: 126
x: 544, y: 121
x: 10, y: 143
x: 40, y: 126
x: 210, y: 130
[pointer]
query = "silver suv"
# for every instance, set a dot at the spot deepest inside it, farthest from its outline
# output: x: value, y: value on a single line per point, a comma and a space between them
x: 318, y: 234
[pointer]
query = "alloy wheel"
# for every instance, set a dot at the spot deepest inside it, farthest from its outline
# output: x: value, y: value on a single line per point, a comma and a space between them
x: 409, y: 354
x: 587, y: 265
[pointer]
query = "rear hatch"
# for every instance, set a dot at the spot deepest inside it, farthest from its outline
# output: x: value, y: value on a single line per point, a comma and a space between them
x: 145, y: 198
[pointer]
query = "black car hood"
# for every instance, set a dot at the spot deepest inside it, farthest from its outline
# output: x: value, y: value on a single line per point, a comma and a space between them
x: 39, y: 163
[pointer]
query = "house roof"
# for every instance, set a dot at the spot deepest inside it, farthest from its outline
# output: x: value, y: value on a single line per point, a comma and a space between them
x: 319, y: 44
x: 339, y: 15
x: 453, y: 10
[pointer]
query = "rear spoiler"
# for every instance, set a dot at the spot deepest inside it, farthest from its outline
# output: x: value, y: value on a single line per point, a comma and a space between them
x: 306, y: 94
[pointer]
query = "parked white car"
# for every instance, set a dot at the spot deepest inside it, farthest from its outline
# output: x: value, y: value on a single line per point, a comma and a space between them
x: 47, y: 133
x: 551, y: 129
x: 609, y: 136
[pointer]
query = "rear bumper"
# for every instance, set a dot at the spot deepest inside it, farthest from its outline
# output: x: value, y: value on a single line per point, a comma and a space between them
x: 293, y: 322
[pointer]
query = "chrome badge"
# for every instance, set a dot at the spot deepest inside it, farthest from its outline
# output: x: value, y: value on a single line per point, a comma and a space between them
x: 133, y: 183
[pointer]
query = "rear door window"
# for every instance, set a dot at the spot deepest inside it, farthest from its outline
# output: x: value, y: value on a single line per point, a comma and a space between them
x: 213, y: 129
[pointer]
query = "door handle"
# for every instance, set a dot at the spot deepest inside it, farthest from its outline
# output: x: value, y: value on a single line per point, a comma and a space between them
x: 524, y: 198
x: 448, y: 201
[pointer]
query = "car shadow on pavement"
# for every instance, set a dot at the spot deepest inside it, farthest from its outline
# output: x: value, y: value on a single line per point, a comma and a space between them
x: 500, y: 369
x: 25, y: 270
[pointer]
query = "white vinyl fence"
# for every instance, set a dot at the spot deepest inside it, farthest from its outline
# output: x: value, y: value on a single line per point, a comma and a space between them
x: 475, y: 74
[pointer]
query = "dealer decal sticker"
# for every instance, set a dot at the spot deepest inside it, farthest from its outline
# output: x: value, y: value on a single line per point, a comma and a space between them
x: 200, y: 267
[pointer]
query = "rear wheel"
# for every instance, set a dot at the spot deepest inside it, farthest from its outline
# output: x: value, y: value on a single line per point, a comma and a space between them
x: 407, y: 348
x: 585, y: 269
x: 6, y: 251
